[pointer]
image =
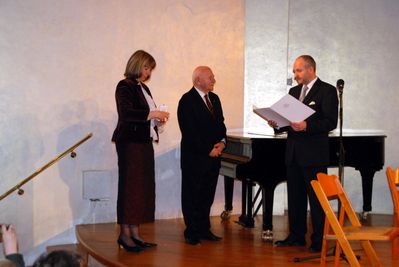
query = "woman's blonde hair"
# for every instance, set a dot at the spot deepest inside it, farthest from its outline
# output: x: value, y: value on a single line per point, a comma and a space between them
x: 137, y: 62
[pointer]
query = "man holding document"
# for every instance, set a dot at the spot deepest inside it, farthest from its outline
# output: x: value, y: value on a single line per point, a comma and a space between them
x: 307, y: 151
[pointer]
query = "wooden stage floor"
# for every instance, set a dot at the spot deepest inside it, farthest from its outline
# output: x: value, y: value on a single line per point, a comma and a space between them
x: 239, y: 247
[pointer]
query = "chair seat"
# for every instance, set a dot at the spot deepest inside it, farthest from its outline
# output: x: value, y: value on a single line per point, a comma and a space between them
x: 368, y: 233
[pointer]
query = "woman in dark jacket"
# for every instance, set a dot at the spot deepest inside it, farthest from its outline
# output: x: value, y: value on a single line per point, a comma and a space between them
x: 137, y: 129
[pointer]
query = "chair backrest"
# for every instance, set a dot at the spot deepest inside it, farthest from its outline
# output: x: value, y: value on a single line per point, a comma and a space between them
x: 327, y: 188
x: 393, y: 182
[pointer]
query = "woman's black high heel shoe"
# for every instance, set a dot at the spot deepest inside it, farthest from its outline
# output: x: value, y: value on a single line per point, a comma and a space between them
x: 128, y: 248
x: 143, y: 244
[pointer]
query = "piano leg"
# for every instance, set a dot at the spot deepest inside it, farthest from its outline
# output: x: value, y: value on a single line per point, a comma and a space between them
x: 228, y: 197
x: 267, y: 204
x: 246, y: 219
x: 367, y: 186
x: 228, y: 193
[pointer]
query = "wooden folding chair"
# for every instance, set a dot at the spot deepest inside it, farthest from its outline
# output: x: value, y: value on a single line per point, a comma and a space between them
x: 328, y: 188
x: 393, y: 182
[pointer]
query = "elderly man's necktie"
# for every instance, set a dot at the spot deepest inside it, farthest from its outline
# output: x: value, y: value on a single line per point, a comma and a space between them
x: 209, y: 104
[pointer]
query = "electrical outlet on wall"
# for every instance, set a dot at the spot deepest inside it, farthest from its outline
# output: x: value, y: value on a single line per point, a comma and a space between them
x: 97, y: 185
x: 101, y: 211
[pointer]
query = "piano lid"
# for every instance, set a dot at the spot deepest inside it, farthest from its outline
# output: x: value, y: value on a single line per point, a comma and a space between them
x: 268, y: 132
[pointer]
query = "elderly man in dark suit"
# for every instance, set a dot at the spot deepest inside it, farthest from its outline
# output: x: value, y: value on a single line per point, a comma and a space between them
x: 203, y: 132
x: 307, y: 152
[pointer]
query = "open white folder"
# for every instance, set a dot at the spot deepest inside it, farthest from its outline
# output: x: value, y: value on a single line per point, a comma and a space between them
x: 286, y: 110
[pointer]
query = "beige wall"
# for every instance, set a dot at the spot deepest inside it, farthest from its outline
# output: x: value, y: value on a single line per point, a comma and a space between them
x: 60, y: 62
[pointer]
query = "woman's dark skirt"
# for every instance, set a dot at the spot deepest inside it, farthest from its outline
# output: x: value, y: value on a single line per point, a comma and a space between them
x: 136, y: 186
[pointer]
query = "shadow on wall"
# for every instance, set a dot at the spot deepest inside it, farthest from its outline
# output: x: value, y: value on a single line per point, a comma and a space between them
x: 168, y: 184
x: 21, y: 145
x: 93, y: 155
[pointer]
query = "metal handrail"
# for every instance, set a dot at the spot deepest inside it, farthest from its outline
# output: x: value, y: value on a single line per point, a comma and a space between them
x: 30, y: 177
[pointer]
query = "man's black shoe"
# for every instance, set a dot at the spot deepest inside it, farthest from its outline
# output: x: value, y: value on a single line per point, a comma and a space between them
x: 192, y: 241
x: 290, y: 242
x: 210, y: 237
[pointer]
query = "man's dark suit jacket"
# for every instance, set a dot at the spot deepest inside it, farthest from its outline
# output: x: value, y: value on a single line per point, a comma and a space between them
x: 133, y: 110
x: 200, y: 131
x: 311, y: 147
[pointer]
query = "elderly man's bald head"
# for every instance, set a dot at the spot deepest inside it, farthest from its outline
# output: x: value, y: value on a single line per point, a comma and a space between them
x: 203, y: 79
x: 198, y: 71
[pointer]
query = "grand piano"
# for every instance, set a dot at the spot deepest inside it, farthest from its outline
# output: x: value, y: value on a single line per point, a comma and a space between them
x: 257, y: 157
